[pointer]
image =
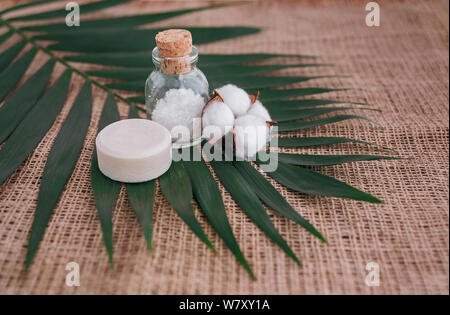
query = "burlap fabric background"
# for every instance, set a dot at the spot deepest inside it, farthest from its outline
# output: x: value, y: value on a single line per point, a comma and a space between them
x: 402, y: 67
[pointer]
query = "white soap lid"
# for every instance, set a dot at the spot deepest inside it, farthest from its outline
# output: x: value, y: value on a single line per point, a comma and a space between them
x: 133, y: 139
x: 134, y: 150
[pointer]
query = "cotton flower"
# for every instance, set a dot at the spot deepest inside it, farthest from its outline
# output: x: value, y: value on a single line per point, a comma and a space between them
x: 258, y: 109
x: 250, y: 135
x: 236, y: 98
x: 217, y: 114
x: 250, y: 120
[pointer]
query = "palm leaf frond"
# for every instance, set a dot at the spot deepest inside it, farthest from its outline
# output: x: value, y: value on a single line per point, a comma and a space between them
x: 326, y: 160
x: 59, y: 166
x: 8, y: 55
x: 282, y: 115
x: 105, y: 190
x: 313, y: 183
x: 210, y: 201
x: 272, y: 198
x: 58, y: 13
x: 176, y: 187
x: 141, y: 196
x: 133, y: 40
x: 25, y: 5
x: 244, y: 196
x: 300, y: 142
x: 33, y: 127
x: 29, y: 112
x: 113, y: 23
x: 14, y: 72
x: 297, y: 125
x: 140, y: 59
x: 17, y: 106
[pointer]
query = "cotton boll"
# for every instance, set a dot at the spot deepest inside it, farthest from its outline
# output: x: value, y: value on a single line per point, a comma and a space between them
x: 250, y: 135
x: 258, y: 109
x: 236, y: 98
x: 217, y: 114
x: 178, y: 108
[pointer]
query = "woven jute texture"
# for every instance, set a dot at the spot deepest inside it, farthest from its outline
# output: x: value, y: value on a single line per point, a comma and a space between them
x: 400, y: 67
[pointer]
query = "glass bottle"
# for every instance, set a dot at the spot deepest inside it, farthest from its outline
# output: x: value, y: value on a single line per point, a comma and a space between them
x: 176, y: 90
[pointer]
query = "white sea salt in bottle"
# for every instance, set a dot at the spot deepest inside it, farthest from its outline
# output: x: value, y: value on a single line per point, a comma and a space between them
x: 176, y: 91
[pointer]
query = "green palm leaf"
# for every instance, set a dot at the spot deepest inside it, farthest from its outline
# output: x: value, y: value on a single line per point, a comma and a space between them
x: 8, y: 55
x: 113, y: 23
x: 300, y: 104
x: 105, y: 190
x: 33, y: 127
x: 141, y: 197
x: 325, y: 160
x: 259, y: 82
x: 59, y: 166
x: 14, y: 72
x: 299, y: 142
x: 6, y: 35
x: 210, y: 201
x: 61, y: 13
x: 312, y: 183
x: 138, y: 60
x: 134, y: 40
x: 25, y: 5
x: 297, y: 125
x: 176, y: 187
x: 273, y: 95
x: 245, y: 82
x: 244, y: 196
x: 18, y: 105
x: 272, y: 198
x: 231, y: 71
x: 291, y: 114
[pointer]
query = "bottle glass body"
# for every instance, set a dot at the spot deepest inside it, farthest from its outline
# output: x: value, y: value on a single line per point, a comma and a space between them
x: 175, y: 93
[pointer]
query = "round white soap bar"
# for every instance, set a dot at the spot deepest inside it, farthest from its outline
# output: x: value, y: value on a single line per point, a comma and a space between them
x: 134, y: 150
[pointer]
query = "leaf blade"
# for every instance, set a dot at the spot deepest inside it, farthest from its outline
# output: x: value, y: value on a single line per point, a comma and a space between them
x: 140, y: 59
x: 176, y: 187
x: 210, y: 201
x: 25, y: 5
x: 115, y: 22
x: 17, y: 106
x: 326, y: 160
x: 141, y: 197
x: 298, y: 125
x: 8, y: 55
x: 272, y: 198
x: 229, y: 71
x: 135, y: 40
x: 312, y: 183
x: 293, y: 114
x: 33, y: 127
x: 243, y: 82
x: 104, y: 189
x: 59, y: 166
x: 300, y: 142
x: 299, y: 104
x: 249, y: 203
x: 272, y: 95
x: 61, y: 13
x: 14, y: 72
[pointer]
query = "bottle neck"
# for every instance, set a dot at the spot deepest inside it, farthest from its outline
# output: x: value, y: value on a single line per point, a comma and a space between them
x: 175, y: 65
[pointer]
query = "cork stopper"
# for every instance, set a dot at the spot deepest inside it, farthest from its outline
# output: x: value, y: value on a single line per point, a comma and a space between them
x: 173, y: 45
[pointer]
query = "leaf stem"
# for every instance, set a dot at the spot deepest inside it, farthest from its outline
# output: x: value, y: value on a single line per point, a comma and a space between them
x: 65, y: 63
